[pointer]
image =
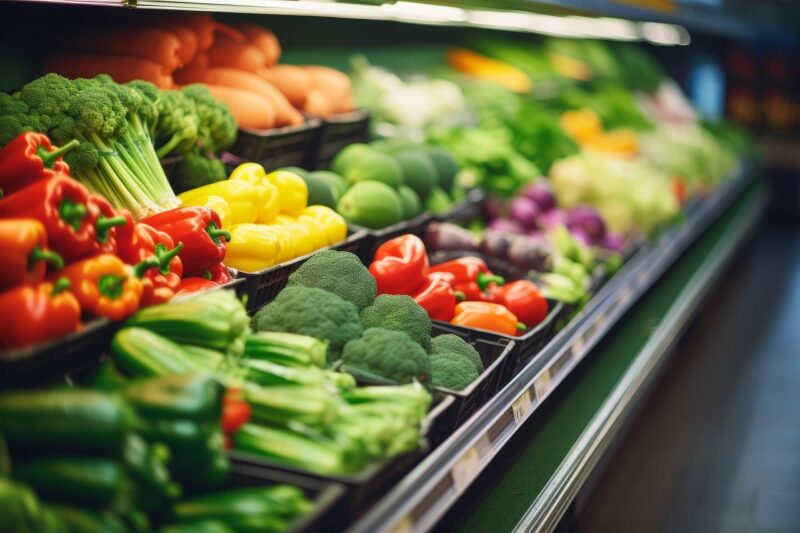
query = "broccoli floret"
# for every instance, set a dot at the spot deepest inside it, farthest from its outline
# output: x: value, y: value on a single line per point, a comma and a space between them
x: 177, y: 126
x: 341, y: 273
x: 388, y: 354
x: 15, y: 118
x: 216, y: 127
x: 454, y: 343
x: 197, y: 169
x: 399, y: 313
x: 313, y: 312
x: 452, y: 371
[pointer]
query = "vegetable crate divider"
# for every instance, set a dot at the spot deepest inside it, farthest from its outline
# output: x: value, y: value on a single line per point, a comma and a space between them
x: 376, y: 237
x: 372, y: 482
x: 338, y: 132
x: 48, y: 362
x: 263, y: 286
x: 279, y: 147
x: 494, y: 355
x: 326, y: 497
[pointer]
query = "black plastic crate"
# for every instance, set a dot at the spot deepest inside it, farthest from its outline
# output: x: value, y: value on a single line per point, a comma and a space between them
x: 263, y: 286
x: 469, y: 208
x: 338, y: 132
x: 371, y: 483
x: 494, y: 355
x: 279, y: 147
x: 326, y: 496
x: 376, y: 237
x: 47, y: 362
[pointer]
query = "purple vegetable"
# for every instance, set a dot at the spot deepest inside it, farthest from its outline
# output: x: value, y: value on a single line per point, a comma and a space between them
x: 551, y: 218
x: 495, y: 207
x: 529, y: 253
x: 446, y: 236
x: 580, y: 235
x: 541, y: 193
x: 613, y: 242
x: 587, y: 219
x: 525, y: 211
x: 504, y: 224
x: 496, y: 243
x: 536, y: 234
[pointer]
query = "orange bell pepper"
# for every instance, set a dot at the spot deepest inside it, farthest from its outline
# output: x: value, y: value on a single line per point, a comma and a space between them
x: 488, y: 316
x: 38, y: 313
x: 24, y: 245
x: 104, y: 287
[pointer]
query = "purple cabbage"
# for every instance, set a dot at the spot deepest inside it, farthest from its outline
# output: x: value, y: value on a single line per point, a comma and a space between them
x: 613, y: 242
x: 525, y: 211
x: 588, y: 221
x: 540, y: 193
x: 551, y: 218
x: 505, y: 224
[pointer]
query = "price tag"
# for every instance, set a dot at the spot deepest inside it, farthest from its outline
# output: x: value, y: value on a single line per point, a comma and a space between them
x: 466, y: 468
x: 542, y: 384
x: 577, y: 347
x: 522, y: 406
x: 404, y: 525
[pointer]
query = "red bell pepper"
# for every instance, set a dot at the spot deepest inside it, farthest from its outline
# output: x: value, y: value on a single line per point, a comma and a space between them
x: 59, y: 203
x: 161, y: 272
x: 399, y: 265
x: 37, y: 313
x: 437, y: 296
x: 487, y: 315
x: 200, y: 231
x: 471, y: 276
x: 106, y: 224
x: 25, y: 253
x: 235, y: 412
x: 28, y: 158
x: 522, y: 298
x: 218, y: 273
x: 191, y: 285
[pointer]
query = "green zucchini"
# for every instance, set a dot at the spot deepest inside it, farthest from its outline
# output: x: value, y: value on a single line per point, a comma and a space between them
x: 66, y: 420
x: 290, y: 448
x: 268, y: 373
x: 313, y: 406
x: 142, y: 353
x: 287, y: 349
x: 87, y: 521
x: 179, y: 396
x: 22, y: 512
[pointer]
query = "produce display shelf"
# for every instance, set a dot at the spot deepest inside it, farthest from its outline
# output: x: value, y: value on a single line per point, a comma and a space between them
x: 434, y: 486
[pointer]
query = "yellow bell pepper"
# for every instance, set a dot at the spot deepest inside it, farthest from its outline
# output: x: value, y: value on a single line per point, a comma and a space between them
x: 334, y: 224
x: 301, y: 235
x: 241, y: 196
x: 252, y: 247
x: 285, y: 242
x: 218, y: 204
x: 318, y: 236
x: 268, y: 194
x: 293, y: 191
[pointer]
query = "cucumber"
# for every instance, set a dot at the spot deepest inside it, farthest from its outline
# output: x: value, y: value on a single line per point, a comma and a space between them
x: 141, y: 353
x: 289, y: 448
x: 314, y: 406
x: 80, y: 480
x: 287, y: 349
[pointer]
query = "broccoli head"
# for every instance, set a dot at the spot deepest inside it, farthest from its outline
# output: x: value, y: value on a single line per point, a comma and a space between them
x: 313, y: 312
x: 176, y: 130
x: 454, y: 343
x: 341, y: 273
x: 452, y: 371
x: 216, y: 127
x: 48, y: 98
x: 15, y: 119
x: 197, y: 169
x: 387, y: 354
x: 399, y: 313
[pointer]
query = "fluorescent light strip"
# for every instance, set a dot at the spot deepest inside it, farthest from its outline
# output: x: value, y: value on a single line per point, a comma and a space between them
x: 428, y: 14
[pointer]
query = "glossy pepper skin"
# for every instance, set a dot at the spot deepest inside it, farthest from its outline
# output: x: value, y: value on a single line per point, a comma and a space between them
x: 200, y: 231
x: 59, y: 203
x: 399, y: 265
x: 160, y: 272
x: 104, y: 287
x: 471, y: 276
x: 523, y: 299
x: 38, y: 313
x: 253, y: 247
x: 218, y: 273
x: 25, y: 253
x: 106, y: 224
x: 192, y: 285
x: 28, y: 158
x: 293, y: 191
x: 241, y: 195
x: 437, y: 296
x: 269, y: 197
x: 486, y: 315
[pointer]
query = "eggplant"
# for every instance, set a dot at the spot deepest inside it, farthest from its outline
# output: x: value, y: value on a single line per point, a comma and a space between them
x: 588, y: 220
x: 495, y: 243
x: 540, y: 193
x: 525, y: 212
x: 530, y: 253
x: 495, y: 207
x: 446, y: 236
x: 507, y: 225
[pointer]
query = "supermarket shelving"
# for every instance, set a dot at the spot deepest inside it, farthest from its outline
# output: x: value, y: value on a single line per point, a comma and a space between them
x: 423, y: 497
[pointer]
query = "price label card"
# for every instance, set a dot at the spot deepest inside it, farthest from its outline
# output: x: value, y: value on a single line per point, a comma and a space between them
x: 578, y: 345
x: 404, y: 525
x: 466, y: 468
x: 522, y: 406
x: 542, y: 385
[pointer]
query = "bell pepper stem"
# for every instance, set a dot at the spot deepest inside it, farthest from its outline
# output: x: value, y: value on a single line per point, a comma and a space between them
x: 111, y: 285
x: 521, y: 326
x: 215, y: 233
x: 104, y: 224
x: 165, y: 256
x: 206, y: 274
x: 49, y: 158
x: 39, y: 254
x: 144, y: 265
x: 61, y: 285
x: 460, y: 296
x: 483, y: 280
x: 72, y: 213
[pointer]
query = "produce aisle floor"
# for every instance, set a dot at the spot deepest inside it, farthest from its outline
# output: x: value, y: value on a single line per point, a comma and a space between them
x: 717, y: 445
